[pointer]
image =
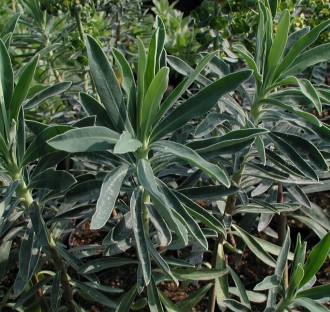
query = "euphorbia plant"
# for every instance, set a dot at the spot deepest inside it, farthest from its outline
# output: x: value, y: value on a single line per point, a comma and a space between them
x: 134, y: 133
x: 273, y: 168
x: 20, y: 207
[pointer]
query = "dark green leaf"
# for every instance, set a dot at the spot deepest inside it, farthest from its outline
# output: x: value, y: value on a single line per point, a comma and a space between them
x: 199, y: 104
x: 187, y: 304
x: 160, y: 261
x: 182, y: 214
x: 127, y: 300
x: 153, y: 298
x: 6, y: 88
x: 254, y: 246
x: 164, y: 233
x: 95, y: 295
x: 232, y: 138
x: 84, y: 191
x: 308, y: 59
x: 128, y: 84
x: 298, y: 195
x: 106, y: 84
x: 38, y: 146
x: 38, y: 223
x: 55, y: 292
x: 152, y: 100
x: 240, y: 287
x: 10, y: 25
x: 305, y: 148
x: 292, y: 154
x: 93, y: 108
x: 47, y: 93
x: 103, y: 264
x: 183, y: 86
x: 193, y: 158
x: 52, y: 179
x: 212, y: 192
x: 309, y: 91
x: 299, y: 46
x: 201, y: 214
x: 278, y: 45
x: 122, y: 230
x: 31, y: 292
x: 147, y: 180
x: 22, y: 88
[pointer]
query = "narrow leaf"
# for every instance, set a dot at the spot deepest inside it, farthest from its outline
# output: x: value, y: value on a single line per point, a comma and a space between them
x: 52, y: 179
x: 299, y: 46
x: 109, y: 192
x: 95, y: 294
x: 101, y: 264
x: 153, y: 298
x: 127, y: 300
x: 152, y: 100
x: 311, y: 305
x: 192, y: 157
x: 128, y: 84
x: 106, y: 84
x: 199, y: 104
x: 316, y: 258
x: 277, y: 48
x: 308, y: 59
x: 22, y: 88
x: 309, y: 91
x: 46, y: 93
x: 255, y: 246
x: 147, y: 180
x: 94, y: 108
x: 140, y: 235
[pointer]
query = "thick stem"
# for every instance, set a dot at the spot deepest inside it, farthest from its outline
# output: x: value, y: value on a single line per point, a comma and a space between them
x: 281, y: 231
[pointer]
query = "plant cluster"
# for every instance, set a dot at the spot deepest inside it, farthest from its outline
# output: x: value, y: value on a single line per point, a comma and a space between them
x: 179, y: 181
